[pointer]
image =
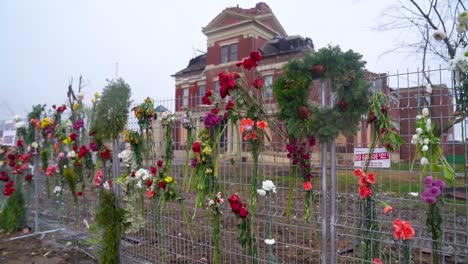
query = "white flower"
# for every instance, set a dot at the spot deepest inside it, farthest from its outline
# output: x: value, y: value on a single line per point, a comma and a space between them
x: 68, y: 123
x: 426, y: 141
x: 17, y: 118
x: 439, y: 35
x: 420, y: 141
x: 414, y: 141
x: 415, y: 194
x: 34, y: 145
x: 268, y: 186
x: 80, y: 96
x: 419, y: 117
x: 424, y: 148
x: 415, y: 137
x: 106, y: 185
x: 424, y: 161
x: 261, y: 192
x: 428, y: 125
x: 270, y: 241
x: 126, y: 156
x: 219, y: 197
x: 419, y: 131
x: 139, y: 184
x: 425, y: 111
x: 71, y: 154
x: 57, y: 189
x: 142, y: 174
x: 19, y: 124
x: 210, y: 202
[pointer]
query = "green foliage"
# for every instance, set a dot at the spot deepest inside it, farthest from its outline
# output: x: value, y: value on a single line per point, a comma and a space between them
x: 13, y: 213
x: 345, y: 71
x: 110, y: 219
x: 112, y: 110
x: 70, y: 178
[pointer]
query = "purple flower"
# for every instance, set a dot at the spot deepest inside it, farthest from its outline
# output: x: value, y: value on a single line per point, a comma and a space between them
x: 439, y: 183
x: 193, y: 162
x: 78, y: 124
x: 435, y: 191
x: 430, y: 199
x: 428, y: 181
x: 211, y: 119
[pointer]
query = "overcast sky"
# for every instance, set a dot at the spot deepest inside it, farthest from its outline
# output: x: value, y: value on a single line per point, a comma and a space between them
x: 45, y: 43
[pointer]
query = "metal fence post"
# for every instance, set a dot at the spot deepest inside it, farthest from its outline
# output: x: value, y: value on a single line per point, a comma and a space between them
x: 323, y: 163
x: 115, y: 176
x: 333, y: 201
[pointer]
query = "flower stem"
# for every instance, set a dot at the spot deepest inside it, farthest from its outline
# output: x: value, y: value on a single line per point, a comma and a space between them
x: 292, y: 188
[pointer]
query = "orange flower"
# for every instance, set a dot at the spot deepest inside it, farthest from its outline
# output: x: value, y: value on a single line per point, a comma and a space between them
x: 307, y: 186
x: 387, y: 209
x: 402, y: 229
x: 262, y: 124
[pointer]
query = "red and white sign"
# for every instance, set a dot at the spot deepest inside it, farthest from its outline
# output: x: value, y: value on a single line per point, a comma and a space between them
x: 9, y: 133
x: 380, y: 158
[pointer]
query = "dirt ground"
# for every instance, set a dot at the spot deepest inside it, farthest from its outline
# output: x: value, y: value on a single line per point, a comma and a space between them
x: 34, y: 250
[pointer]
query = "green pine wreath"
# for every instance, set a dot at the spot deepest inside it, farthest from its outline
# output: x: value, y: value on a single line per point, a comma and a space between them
x: 345, y: 72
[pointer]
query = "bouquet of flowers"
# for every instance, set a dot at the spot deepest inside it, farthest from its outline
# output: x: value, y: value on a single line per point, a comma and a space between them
x: 431, y: 195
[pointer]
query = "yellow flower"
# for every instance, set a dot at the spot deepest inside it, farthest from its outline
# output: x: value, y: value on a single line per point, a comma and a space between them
x: 96, y: 95
x: 76, y: 106
x: 66, y: 141
x: 45, y: 122
x: 168, y: 179
x: 207, y: 150
x: 93, y: 100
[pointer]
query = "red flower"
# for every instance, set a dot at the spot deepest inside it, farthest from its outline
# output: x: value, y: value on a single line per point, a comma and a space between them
x: 250, y: 62
x: 79, y: 193
x: 377, y: 261
x: 75, y: 148
x: 234, y: 198
x: 262, y: 124
x: 319, y: 70
x: 8, y: 191
x: 229, y: 105
x: 359, y: 173
x: 243, y: 212
x: 149, y: 183
x: 196, y: 147
x: 78, y: 164
x: 160, y: 163
x: 93, y: 146
x: 150, y: 194
x: 258, y: 83
x: 153, y: 170
x: 234, y: 202
x: 387, y: 209
x: 105, y: 154
x: 370, y: 178
x: 206, y: 100
x: 11, y: 156
x: 384, y: 108
x: 161, y: 184
x: 215, y: 111
x: 4, y: 176
x: 73, y: 136
x: 208, y: 93
x: 365, y: 192
x: 402, y: 230
x: 28, y: 177
x: 256, y: 56
x: 307, y: 186
x: 83, y: 151
x: 20, y: 143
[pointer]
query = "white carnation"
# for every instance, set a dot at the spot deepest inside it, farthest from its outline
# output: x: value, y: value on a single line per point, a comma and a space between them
x: 57, y: 189
x: 34, y: 145
x: 270, y: 241
x: 17, y: 118
x: 424, y: 161
x: 19, y: 124
x: 426, y: 141
x: 142, y: 174
x: 126, y: 156
x: 425, y: 111
x: 268, y: 186
x: 419, y: 131
x: 428, y: 125
x: 261, y: 192
x: 71, y: 154
x: 415, y: 137
x: 424, y: 148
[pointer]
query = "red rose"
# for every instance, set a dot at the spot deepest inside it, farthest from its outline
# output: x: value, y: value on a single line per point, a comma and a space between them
x: 73, y: 136
x: 371, y: 178
x: 153, y: 170
x: 161, y: 184
x: 160, y: 163
x: 150, y: 194
x: 11, y: 156
x: 4, y: 176
x: 258, y: 83
x: 229, y: 105
x: 243, y: 212
x: 28, y: 177
x: 149, y: 183
x: 239, y: 63
x: 132, y: 174
x: 223, y: 91
x: 9, y: 184
x: 196, y: 147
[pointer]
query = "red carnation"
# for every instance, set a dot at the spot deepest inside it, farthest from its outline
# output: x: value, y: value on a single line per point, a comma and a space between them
x: 258, y: 83
x: 403, y: 230
x: 75, y: 148
x: 160, y: 163
x: 73, y: 136
x: 83, y: 151
x: 4, y: 176
x: 8, y: 191
x: 93, y: 146
x: 243, y: 212
x: 79, y: 193
x: 229, y: 105
x: 208, y: 93
x: 153, y: 170
x: 196, y: 147
x: 20, y: 143
x: 307, y: 186
x: 28, y: 177
x: 214, y: 111
x: 206, y: 100
x: 105, y: 154
x: 235, y: 207
x: 149, y: 183
x: 161, y: 184
x: 256, y: 56
x: 365, y: 192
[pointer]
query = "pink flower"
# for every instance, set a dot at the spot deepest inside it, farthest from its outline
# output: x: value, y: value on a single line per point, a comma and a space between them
x: 387, y: 209
x: 377, y: 261
x: 98, y: 178
x: 51, y: 170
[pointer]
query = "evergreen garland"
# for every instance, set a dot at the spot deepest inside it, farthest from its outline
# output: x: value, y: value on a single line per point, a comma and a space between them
x: 110, y: 219
x: 112, y: 110
x: 345, y: 72
x: 13, y: 214
x: 30, y: 131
